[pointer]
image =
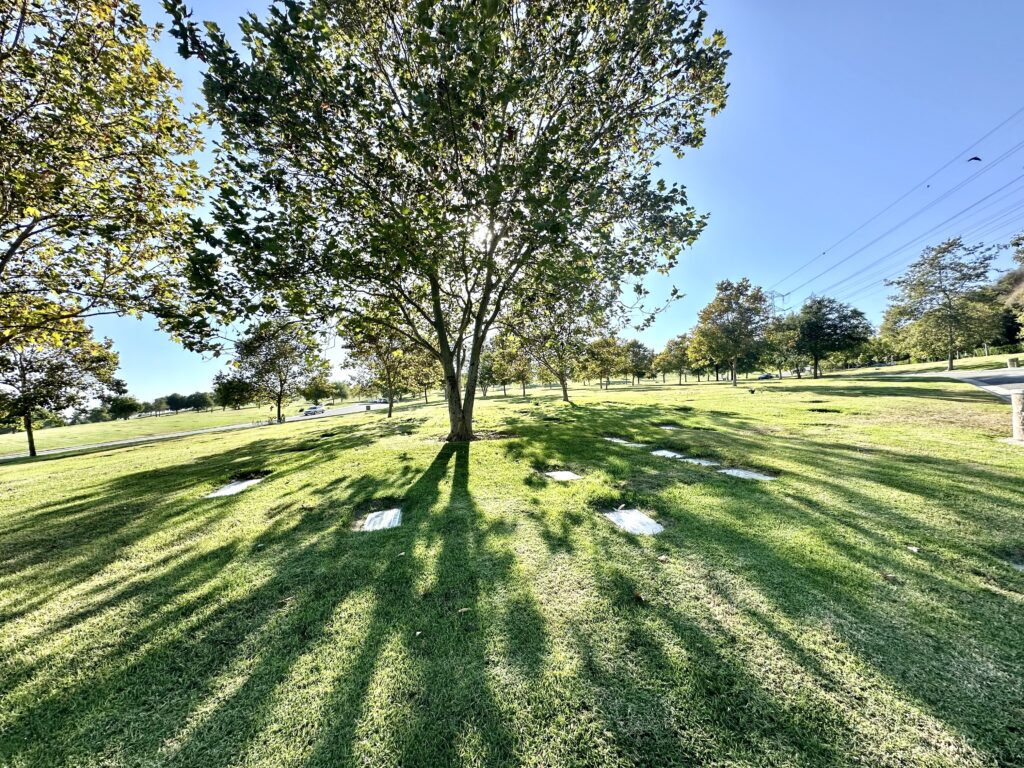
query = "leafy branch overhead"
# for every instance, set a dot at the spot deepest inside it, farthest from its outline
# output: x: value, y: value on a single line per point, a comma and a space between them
x: 96, y: 178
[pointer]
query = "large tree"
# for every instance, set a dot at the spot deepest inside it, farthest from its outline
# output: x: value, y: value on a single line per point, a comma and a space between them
x: 54, y: 376
x: 123, y: 406
x: 639, y: 359
x: 511, y: 363
x: 96, y: 181
x: 230, y: 390
x: 554, y: 330
x: 382, y: 356
x: 939, y: 294
x: 1011, y: 285
x: 448, y: 158
x: 674, y: 358
x: 731, y: 326
x: 779, y: 350
x: 604, y: 356
x: 278, y: 357
x: 826, y: 326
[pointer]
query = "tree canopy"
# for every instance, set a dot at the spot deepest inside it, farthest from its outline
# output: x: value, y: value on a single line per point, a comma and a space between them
x: 447, y: 158
x: 938, y: 299
x: 277, y: 357
x: 55, y: 376
x: 96, y: 178
x: 732, y: 325
x: 825, y: 326
x: 675, y: 357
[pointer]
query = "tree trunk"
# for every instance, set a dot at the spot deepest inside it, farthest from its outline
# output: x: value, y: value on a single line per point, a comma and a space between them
x: 391, y: 404
x: 949, y: 363
x: 504, y: 390
x: 425, y: 400
x: 732, y: 372
x: 565, y: 388
x: 280, y: 418
x: 523, y: 382
x: 31, y: 436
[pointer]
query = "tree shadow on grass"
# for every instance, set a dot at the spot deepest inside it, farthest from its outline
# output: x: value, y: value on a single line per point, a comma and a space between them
x: 910, y: 618
x: 205, y: 645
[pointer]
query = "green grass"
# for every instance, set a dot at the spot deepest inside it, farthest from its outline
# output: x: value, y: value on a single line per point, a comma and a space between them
x: 106, y: 431
x: 506, y: 622
x: 965, y: 364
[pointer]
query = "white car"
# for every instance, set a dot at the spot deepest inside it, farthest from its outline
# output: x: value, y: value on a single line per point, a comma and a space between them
x: 313, y: 410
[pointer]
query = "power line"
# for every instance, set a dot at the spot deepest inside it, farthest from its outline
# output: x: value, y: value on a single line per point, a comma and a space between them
x: 907, y: 245
x: 1004, y: 233
x: 911, y: 217
x: 958, y: 156
x: 971, y: 232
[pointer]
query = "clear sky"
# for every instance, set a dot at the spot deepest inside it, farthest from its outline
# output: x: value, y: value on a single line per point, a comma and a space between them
x: 836, y: 110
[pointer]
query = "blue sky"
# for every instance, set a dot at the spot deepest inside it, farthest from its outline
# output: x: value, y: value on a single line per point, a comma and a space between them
x: 835, y: 111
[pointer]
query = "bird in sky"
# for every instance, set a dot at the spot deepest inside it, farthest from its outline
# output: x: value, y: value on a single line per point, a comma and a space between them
x: 972, y: 159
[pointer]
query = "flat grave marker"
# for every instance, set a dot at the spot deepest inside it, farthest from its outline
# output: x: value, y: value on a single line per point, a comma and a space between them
x: 701, y: 462
x: 668, y: 426
x: 747, y: 474
x: 666, y: 454
x: 563, y: 475
x: 620, y: 441
x: 385, y: 518
x: 237, y: 486
x: 635, y: 521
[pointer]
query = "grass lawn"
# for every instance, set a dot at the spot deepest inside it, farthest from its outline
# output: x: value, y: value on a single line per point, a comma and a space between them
x: 506, y: 622
x: 106, y: 431
x: 965, y: 364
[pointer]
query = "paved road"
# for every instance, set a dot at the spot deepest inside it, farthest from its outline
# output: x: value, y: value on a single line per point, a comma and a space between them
x: 170, y: 435
x: 1000, y: 382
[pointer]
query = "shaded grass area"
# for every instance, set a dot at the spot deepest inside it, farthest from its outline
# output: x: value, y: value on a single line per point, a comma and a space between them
x: 505, y: 622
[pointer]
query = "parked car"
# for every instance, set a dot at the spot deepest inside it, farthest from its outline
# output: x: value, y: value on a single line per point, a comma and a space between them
x: 313, y: 410
x: 764, y: 376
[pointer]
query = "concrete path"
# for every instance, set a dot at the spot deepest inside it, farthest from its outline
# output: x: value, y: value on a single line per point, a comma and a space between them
x: 1000, y: 382
x: 357, y: 408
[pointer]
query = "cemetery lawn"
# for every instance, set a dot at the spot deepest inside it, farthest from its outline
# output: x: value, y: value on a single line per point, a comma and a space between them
x: 981, y: 363
x: 506, y: 622
x: 106, y: 431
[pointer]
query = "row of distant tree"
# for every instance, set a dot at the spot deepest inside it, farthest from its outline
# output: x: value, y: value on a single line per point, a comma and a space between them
x: 944, y: 305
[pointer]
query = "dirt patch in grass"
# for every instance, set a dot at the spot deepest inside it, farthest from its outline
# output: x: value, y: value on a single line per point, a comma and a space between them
x: 249, y: 474
x: 824, y: 410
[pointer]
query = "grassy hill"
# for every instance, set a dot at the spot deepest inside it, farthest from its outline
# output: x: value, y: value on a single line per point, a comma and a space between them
x: 862, y: 609
x: 965, y: 364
